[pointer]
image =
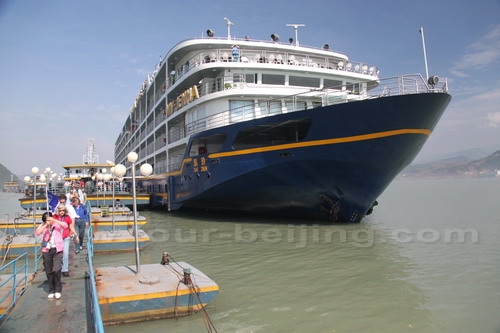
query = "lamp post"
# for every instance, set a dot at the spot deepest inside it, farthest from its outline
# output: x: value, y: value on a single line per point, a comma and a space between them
x: 47, y: 177
x: 146, y: 170
x: 95, y: 189
x: 102, y: 179
x: 107, y: 178
x: 119, y: 171
x: 34, y: 171
x: 112, y: 170
x: 100, y: 182
x: 44, y: 179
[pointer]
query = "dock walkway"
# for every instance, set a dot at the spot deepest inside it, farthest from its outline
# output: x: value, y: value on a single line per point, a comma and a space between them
x: 34, y: 312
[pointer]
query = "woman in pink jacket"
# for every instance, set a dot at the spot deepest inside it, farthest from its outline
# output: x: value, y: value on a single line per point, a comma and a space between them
x: 52, y: 248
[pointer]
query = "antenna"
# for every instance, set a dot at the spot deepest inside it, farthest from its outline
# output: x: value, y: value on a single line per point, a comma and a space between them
x: 425, y: 53
x: 296, y: 28
x: 229, y: 24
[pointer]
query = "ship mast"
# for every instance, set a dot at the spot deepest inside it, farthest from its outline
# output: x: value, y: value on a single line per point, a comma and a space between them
x: 425, y: 52
x: 296, y: 28
x: 229, y: 24
x: 90, y: 157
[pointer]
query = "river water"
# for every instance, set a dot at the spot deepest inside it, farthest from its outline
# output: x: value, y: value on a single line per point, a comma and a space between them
x: 426, y: 260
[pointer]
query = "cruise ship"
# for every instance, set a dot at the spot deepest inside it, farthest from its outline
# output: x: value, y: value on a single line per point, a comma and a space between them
x: 275, y: 128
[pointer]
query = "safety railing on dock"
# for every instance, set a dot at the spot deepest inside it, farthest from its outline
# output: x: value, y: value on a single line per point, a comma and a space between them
x: 15, y: 284
x: 95, y: 318
x: 95, y: 311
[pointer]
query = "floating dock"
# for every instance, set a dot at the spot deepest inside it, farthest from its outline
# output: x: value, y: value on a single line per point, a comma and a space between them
x: 35, y: 313
x: 100, y: 223
x: 12, y: 246
x: 118, y: 241
x: 159, y: 291
x: 24, y: 224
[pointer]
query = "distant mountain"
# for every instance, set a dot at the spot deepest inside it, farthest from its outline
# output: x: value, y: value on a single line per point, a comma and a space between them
x: 470, y: 154
x: 460, y: 166
x: 5, y: 176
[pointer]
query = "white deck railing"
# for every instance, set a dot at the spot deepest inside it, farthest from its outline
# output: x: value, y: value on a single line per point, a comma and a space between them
x: 400, y: 85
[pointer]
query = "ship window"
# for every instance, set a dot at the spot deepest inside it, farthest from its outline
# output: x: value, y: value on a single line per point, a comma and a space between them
x: 304, y: 81
x: 270, y: 107
x: 238, y: 77
x: 272, y: 134
x: 241, y: 110
x: 207, y: 144
x: 250, y: 78
x: 316, y: 104
x: 274, y: 107
x: 353, y: 87
x: 273, y: 79
x: 297, y: 106
x: 332, y: 84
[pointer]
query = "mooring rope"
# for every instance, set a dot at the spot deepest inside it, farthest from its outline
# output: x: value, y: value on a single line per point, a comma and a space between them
x: 9, y: 239
x: 194, y: 290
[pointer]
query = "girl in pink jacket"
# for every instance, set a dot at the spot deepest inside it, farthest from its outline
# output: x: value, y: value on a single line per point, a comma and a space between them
x: 52, y: 248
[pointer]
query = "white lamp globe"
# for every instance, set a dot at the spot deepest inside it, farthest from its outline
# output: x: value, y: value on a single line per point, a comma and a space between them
x: 112, y: 170
x: 47, y: 169
x: 27, y: 179
x: 34, y: 170
x: 107, y: 177
x: 43, y: 178
x: 132, y: 157
x: 103, y: 170
x: 120, y: 170
x: 146, y: 169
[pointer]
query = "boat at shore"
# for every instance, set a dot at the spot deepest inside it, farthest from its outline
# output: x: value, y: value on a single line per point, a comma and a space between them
x: 276, y: 128
x: 93, y: 178
x: 12, y: 185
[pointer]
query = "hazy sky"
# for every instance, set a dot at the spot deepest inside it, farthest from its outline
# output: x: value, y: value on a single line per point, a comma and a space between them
x: 70, y: 70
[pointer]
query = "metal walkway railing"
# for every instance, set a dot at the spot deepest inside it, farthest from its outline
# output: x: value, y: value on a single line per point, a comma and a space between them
x: 93, y: 304
x: 15, y: 284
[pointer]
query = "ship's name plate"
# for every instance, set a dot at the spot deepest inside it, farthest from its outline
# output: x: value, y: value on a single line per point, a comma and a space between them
x: 183, y: 99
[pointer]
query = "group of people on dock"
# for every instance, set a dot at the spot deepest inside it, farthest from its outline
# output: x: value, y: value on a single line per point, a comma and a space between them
x: 65, y: 223
x: 76, y: 189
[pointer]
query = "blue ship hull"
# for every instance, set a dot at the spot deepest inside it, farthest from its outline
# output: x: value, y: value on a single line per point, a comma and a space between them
x: 350, y: 154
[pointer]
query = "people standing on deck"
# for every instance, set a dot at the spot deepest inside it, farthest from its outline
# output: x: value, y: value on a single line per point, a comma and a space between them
x: 71, y: 214
x: 236, y: 53
x: 52, y: 249
x: 67, y: 186
x: 81, y: 222
x: 83, y: 196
